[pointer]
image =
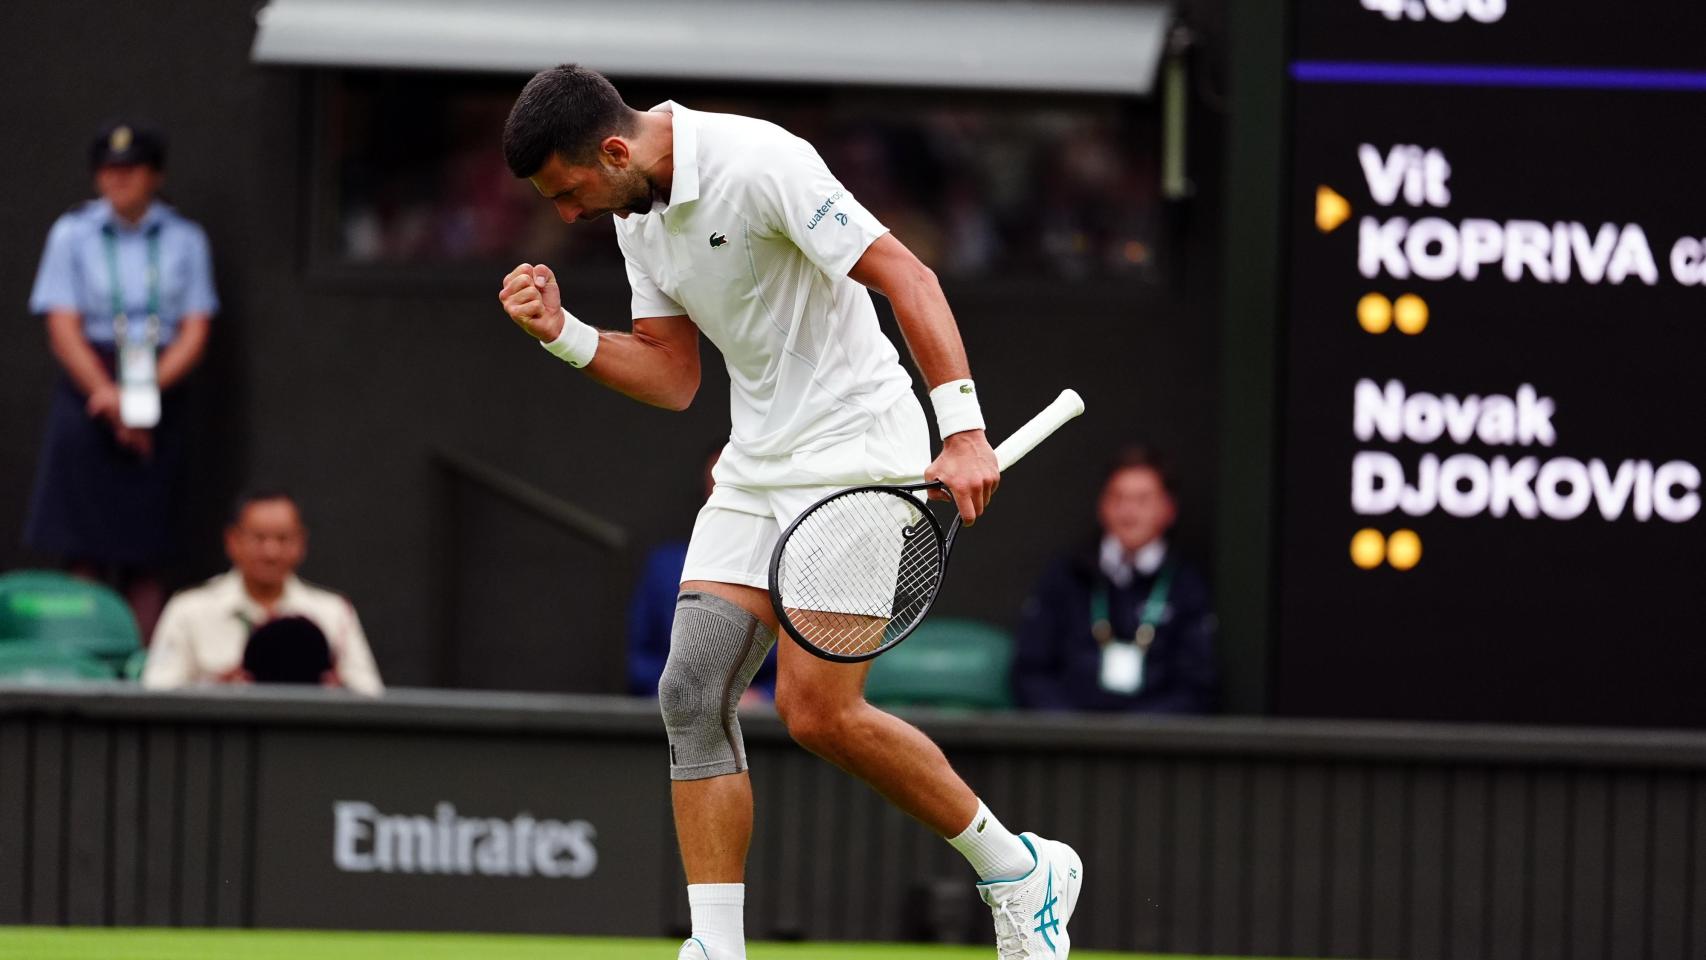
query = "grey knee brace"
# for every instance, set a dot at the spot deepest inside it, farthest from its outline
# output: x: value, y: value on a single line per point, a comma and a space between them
x: 714, y: 649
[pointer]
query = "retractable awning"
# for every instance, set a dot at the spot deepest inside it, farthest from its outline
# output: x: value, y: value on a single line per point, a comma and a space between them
x: 978, y: 44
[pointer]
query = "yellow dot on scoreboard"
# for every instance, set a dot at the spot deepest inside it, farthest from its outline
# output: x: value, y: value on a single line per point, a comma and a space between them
x: 1368, y: 548
x: 1411, y: 313
x: 1404, y: 549
x: 1374, y: 312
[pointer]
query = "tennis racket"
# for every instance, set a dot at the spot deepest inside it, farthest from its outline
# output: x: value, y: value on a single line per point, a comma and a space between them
x: 858, y: 571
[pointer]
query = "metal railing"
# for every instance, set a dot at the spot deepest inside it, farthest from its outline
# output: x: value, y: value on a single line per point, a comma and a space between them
x: 567, y: 516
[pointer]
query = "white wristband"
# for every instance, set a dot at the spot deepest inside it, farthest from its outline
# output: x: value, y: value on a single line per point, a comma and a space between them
x: 956, y: 407
x: 576, y: 344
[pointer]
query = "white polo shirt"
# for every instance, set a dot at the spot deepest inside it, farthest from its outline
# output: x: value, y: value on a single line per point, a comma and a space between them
x: 754, y: 246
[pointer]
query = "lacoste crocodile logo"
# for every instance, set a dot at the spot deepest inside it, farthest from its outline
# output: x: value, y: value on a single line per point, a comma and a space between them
x: 718, y: 239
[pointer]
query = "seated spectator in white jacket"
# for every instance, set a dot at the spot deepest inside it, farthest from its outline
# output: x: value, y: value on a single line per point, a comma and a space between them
x: 204, y: 631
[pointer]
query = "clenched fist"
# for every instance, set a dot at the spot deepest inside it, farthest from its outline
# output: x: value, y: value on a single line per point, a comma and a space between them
x: 531, y: 298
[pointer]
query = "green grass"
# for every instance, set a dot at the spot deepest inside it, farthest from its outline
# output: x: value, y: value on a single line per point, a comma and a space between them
x: 55, y: 943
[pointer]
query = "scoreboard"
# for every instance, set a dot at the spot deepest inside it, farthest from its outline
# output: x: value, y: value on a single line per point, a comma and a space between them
x: 1494, y: 387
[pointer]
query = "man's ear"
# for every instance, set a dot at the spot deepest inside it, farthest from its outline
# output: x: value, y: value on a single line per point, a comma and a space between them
x: 616, y: 150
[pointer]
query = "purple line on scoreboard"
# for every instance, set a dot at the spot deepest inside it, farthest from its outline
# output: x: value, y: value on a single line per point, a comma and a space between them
x: 1483, y: 75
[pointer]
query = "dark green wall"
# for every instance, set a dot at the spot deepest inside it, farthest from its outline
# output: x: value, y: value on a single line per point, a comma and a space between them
x: 1200, y: 836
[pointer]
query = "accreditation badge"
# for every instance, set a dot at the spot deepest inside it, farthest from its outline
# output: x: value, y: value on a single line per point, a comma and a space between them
x: 138, y: 386
x: 1122, y: 667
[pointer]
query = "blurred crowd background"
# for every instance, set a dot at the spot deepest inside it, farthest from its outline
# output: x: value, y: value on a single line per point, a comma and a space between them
x: 357, y: 220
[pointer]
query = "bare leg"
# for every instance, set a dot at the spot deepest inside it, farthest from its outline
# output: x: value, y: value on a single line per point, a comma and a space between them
x: 713, y: 825
x: 842, y: 633
x: 142, y: 589
x: 750, y: 599
x: 147, y: 596
x: 823, y: 704
x: 713, y: 817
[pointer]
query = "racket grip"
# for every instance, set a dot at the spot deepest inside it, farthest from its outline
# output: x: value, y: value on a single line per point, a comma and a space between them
x: 1025, y: 439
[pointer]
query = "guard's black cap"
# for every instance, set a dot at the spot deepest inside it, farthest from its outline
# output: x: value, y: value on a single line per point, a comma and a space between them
x: 122, y: 144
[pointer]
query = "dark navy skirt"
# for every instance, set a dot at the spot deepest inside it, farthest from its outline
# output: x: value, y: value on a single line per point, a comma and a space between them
x: 97, y: 502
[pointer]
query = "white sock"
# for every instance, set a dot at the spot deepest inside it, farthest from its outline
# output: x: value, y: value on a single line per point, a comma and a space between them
x: 991, y: 849
x: 718, y: 918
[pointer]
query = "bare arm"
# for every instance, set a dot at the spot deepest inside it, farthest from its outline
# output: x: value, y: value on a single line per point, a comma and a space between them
x: 72, y: 350
x: 967, y: 464
x: 920, y: 307
x: 65, y: 338
x: 186, y: 351
x: 657, y: 363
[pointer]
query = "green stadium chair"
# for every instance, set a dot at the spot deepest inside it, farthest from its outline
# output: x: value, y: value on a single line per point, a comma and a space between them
x: 53, y: 607
x: 47, y: 662
x: 134, y: 665
x: 947, y: 662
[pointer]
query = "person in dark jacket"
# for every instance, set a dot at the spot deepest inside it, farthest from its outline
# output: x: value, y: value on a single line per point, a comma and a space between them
x: 1121, y: 623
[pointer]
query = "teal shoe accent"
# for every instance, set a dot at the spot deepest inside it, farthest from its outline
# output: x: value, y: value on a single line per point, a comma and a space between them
x: 1046, y: 920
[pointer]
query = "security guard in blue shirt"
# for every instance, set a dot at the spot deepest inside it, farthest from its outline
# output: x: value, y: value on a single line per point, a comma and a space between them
x: 126, y: 287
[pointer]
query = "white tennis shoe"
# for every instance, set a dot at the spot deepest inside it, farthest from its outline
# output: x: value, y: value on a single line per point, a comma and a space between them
x: 695, y: 949
x: 1031, y: 912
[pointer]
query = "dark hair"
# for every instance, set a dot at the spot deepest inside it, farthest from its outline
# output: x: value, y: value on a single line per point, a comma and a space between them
x: 256, y: 495
x: 567, y: 110
x: 1140, y: 457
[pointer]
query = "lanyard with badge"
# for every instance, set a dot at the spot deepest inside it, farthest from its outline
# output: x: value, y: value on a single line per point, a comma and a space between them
x: 1122, y: 659
x: 138, y: 372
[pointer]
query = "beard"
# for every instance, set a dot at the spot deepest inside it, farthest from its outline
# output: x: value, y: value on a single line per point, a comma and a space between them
x: 637, y: 190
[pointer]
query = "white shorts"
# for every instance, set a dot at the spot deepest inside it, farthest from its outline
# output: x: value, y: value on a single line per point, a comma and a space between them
x: 755, y: 498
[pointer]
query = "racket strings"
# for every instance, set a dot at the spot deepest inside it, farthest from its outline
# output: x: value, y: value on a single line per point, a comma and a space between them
x: 859, y: 571
x: 842, y: 545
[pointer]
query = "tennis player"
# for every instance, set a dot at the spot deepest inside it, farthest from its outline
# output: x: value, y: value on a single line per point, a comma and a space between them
x: 734, y: 228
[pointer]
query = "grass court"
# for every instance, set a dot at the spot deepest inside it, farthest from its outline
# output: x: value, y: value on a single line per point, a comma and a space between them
x: 56, y: 943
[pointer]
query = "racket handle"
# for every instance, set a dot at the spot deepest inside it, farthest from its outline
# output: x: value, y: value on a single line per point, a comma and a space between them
x: 1025, y: 439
